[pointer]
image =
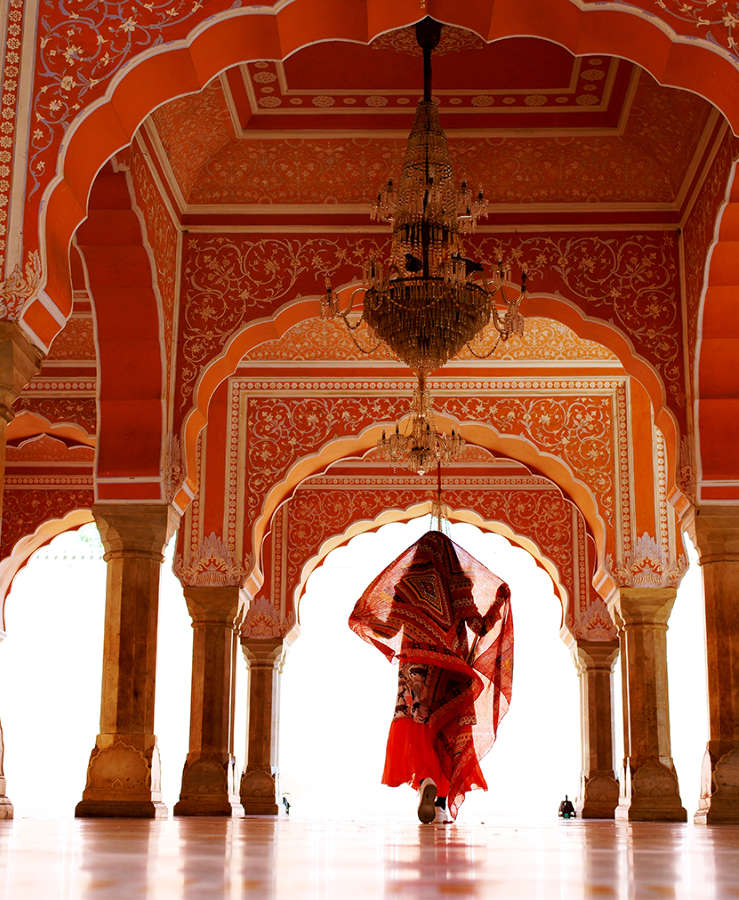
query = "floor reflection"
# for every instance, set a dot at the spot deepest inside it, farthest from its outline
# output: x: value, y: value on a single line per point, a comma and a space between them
x: 263, y: 857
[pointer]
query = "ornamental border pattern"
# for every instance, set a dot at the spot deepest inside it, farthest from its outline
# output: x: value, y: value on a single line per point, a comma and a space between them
x: 569, y: 558
x: 663, y: 519
x: 46, y: 386
x: 622, y: 462
x: 11, y: 72
x: 239, y: 387
x: 46, y: 482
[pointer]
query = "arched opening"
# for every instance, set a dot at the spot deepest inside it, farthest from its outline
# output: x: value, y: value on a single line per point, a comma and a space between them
x: 338, y: 694
x: 53, y: 653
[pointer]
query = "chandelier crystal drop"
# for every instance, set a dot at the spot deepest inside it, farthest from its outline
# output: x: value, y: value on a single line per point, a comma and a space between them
x: 420, y: 446
x: 429, y: 300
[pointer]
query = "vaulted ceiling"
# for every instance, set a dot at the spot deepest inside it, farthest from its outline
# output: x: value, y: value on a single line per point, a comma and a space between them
x: 546, y: 134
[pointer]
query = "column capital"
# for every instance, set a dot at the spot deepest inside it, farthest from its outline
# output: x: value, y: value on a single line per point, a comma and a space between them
x: 592, y: 655
x: 19, y: 360
x: 139, y: 528
x: 715, y: 532
x: 641, y: 605
x: 263, y: 652
x: 220, y: 604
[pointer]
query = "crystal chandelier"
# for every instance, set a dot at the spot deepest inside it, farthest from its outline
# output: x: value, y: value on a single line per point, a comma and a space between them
x: 428, y: 301
x: 420, y: 446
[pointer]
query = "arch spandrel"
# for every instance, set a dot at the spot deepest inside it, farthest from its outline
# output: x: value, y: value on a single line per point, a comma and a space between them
x: 292, y: 438
x: 41, y: 516
x: 182, y: 52
x: 228, y: 348
x: 325, y: 513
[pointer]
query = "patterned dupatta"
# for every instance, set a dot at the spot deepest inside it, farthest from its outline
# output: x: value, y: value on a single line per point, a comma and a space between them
x: 436, y: 605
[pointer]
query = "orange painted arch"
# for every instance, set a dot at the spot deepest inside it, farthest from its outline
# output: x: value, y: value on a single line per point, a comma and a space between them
x: 233, y: 36
x: 479, y: 434
x: 548, y: 306
x: 29, y: 544
x: 716, y: 371
x: 362, y: 526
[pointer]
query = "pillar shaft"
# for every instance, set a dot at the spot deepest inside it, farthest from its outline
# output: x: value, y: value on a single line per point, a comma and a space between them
x: 259, y: 781
x: 599, y: 787
x: 717, y: 539
x: 123, y: 775
x: 6, y: 807
x: 19, y: 360
x: 649, y: 789
x: 208, y: 778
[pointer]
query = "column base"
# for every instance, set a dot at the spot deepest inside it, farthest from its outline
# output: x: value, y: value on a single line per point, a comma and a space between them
x: 719, y: 803
x: 6, y: 807
x: 208, y: 787
x: 600, y: 792
x: 651, y: 794
x: 123, y: 779
x: 208, y: 806
x: 120, y: 809
x: 258, y: 793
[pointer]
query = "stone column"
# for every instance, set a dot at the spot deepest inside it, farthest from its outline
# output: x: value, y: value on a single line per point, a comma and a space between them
x: 6, y: 807
x: 598, y: 785
x: 123, y: 775
x: 208, y: 779
x: 19, y: 360
x: 717, y: 539
x: 259, y: 781
x: 649, y: 787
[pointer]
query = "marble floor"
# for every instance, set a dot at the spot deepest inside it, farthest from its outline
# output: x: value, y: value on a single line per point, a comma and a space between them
x: 261, y: 857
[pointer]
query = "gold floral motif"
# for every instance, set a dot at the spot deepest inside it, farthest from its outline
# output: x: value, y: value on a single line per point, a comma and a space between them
x: 453, y: 40
x: 326, y: 340
x: 24, y: 510
x: 20, y: 286
x: 538, y: 512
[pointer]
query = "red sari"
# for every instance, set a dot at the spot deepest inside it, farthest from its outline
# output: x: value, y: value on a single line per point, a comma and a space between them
x: 451, y: 696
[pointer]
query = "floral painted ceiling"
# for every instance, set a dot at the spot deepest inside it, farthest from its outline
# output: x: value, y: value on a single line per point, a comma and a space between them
x: 526, y: 120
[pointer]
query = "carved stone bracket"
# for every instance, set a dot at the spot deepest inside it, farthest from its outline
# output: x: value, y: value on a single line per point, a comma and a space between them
x: 211, y: 566
x: 262, y: 621
x: 647, y: 566
x: 173, y: 468
x: 20, y: 286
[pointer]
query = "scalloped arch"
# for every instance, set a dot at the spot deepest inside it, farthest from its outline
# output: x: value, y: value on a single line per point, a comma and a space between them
x: 29, y: 544
x: 232, y: 36
x: 362, y: 526
x: 479, y: 434
x: 555, y: 307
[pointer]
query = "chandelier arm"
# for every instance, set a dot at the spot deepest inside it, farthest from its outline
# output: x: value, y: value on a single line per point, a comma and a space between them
x: 345, y: 316
x: 367, y: 352
x: 485, y: 355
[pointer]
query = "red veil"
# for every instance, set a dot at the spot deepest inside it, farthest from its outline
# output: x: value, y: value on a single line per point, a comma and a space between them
x: 438, y: 608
